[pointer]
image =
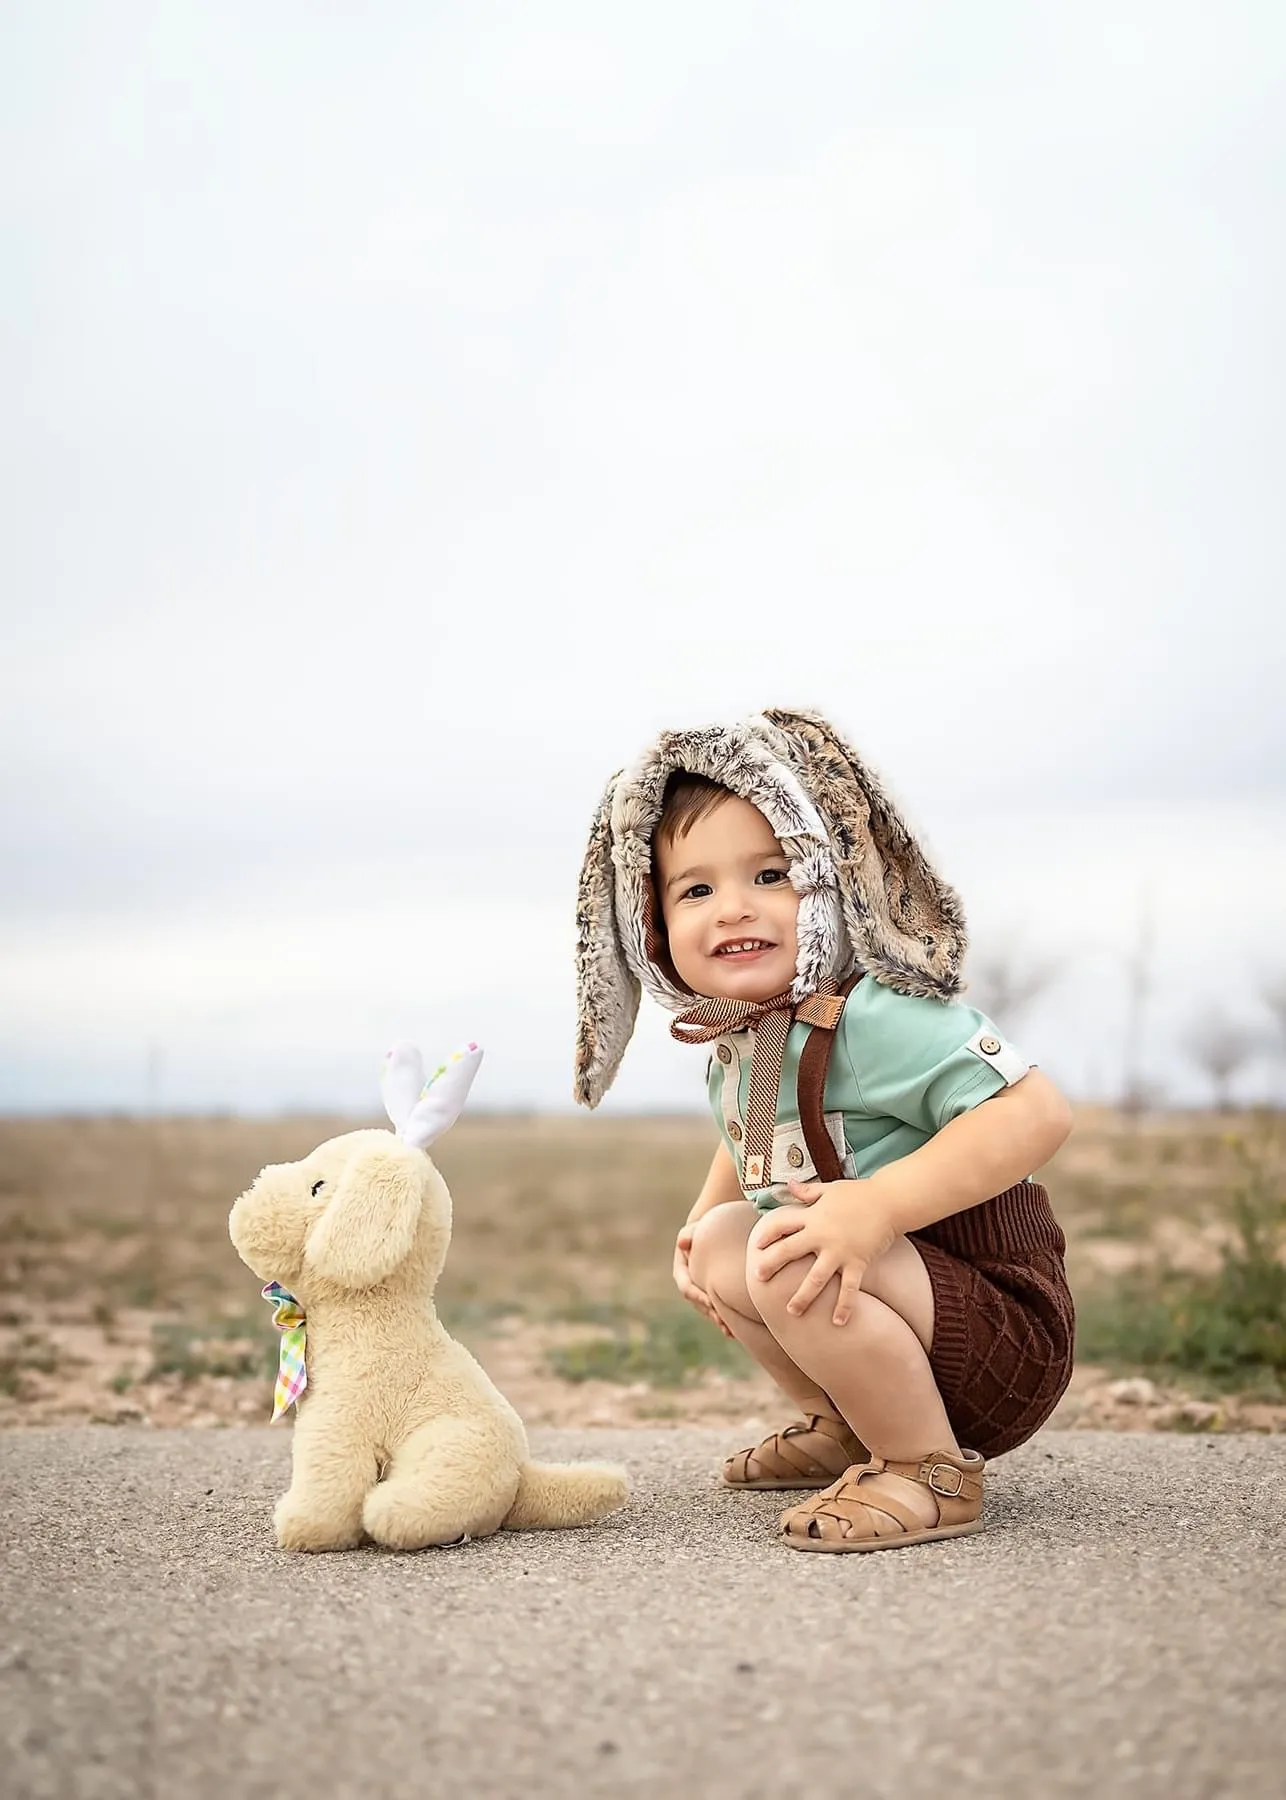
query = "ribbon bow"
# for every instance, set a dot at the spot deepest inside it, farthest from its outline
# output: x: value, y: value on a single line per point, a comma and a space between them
x: 710, y: 1019
x: 292, y: 1374
x: 770, y: 1020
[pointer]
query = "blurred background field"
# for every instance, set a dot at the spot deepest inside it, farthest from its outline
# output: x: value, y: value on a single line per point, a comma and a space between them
x: 409, y: 415
x: 122, y: 1300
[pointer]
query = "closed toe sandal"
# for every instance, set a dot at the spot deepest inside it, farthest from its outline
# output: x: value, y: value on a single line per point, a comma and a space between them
x: 805, y: 1455
x: 855, y: 1513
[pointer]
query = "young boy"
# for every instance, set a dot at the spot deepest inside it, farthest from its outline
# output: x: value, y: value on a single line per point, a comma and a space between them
x: 913, y: 1302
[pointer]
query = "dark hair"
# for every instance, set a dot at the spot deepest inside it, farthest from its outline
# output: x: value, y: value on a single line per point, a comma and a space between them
x: 687, y: 798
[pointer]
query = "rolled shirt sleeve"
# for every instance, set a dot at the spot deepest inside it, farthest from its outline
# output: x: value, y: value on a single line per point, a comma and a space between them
x: 923, y: 1061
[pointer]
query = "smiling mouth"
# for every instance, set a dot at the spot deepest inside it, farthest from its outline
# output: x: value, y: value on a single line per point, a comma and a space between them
x: 744, y: 947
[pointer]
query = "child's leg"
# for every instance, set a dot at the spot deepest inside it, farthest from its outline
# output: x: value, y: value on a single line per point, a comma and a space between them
x: 877, y: 1364
x: 875, y: 1368
x: 718, y: 1264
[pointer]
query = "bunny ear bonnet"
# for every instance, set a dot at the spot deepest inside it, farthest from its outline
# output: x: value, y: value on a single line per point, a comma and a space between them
x: 868, y: 897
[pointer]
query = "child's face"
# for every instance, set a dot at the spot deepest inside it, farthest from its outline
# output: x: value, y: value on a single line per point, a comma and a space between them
x: 724, y: 884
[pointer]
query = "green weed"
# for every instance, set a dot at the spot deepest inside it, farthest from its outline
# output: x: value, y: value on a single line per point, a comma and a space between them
x: 1227, y: 1326
x: 611, y: 1314
x: 234, y: 1347
x: 32, y: 1354
x: 467, y: 1314
x: 670, y: 1347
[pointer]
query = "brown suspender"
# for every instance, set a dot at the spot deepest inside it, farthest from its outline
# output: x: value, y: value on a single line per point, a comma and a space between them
x: 811, y: 1086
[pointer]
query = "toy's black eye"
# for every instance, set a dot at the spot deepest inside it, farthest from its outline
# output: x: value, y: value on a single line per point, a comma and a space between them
x: 316, y: 1186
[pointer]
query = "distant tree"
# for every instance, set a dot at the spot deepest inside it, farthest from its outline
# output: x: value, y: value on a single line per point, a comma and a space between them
x: 1273, y: 997
x: 1141, y: 1095
x: 1004, y: 983
x: 1221, y: 1047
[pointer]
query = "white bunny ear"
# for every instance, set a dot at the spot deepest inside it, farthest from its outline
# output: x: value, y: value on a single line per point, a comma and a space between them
x: 443, y: 1098
x: 402, y: 1082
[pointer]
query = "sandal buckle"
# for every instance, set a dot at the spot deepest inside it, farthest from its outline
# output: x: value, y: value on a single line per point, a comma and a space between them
x: 947, y: 1493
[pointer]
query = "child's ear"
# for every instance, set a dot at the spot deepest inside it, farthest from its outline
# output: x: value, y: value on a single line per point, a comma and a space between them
x: 369, y: 1227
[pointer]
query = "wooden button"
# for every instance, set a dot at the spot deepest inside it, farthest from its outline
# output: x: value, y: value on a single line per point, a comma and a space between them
x: 989, y: 1045
x: 734, y: 1131
x: 795, y: 1157
x: 724, y: 1054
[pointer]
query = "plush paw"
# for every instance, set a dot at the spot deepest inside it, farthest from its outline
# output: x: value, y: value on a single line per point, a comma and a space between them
x: 301, y: 1526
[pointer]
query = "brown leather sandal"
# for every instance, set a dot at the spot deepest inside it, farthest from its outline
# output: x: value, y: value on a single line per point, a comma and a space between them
x: 852, y: 1514
x: 807, y: 1454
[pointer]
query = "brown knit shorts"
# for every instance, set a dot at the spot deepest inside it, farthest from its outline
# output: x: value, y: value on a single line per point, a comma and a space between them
x: 1004, y: 1322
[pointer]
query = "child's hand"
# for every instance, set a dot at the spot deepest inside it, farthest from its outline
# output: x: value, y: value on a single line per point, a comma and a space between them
x: 840, y: 1224
x: 685, y: 1284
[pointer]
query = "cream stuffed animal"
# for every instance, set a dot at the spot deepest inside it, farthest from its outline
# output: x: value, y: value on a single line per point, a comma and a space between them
x: 399, y: 1435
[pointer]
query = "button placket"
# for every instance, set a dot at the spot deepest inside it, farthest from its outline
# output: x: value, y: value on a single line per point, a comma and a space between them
x: 730, y: 1092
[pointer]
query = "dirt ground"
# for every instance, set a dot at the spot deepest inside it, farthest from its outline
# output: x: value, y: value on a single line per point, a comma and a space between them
x: 122, y: 1301
x: 85, y: 1387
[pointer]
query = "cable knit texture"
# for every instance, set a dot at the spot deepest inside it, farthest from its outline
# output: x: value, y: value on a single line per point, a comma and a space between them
x: 1004, y: 1320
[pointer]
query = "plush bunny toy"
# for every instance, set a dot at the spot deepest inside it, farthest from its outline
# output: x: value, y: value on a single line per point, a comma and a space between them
x: 399, y: 1435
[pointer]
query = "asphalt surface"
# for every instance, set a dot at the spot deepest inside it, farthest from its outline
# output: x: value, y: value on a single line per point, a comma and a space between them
x: 1120, y: 1629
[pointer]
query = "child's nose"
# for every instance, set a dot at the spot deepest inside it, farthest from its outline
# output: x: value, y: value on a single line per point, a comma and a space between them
x: 735, y: 904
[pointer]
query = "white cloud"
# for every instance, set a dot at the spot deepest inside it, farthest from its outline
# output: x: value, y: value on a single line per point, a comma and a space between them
x: 409, y: 416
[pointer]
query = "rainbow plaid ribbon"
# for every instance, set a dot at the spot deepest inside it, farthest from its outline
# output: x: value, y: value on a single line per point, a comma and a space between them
x: 292, y: 1375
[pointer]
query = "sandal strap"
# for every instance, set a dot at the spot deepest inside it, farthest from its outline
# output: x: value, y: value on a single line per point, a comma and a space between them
x: 852, y: 1508
x: 944, y: 1475
x: 822, y: 1425
x: 849, y: 1500
x: 787, y: 1454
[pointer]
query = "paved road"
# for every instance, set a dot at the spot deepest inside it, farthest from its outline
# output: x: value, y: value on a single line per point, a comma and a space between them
x: 1119, y: 1630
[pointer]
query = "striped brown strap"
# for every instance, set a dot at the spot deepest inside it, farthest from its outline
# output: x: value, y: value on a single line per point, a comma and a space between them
x: 771, y: 1021
x: 712, y: 1018
x: 761, y: 1098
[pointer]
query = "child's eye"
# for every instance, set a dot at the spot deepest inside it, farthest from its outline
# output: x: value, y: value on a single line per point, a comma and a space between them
x: 771, y: 876
x: 697, y: 891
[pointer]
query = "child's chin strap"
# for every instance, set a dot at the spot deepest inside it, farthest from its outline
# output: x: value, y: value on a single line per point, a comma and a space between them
x: 771, y: 1020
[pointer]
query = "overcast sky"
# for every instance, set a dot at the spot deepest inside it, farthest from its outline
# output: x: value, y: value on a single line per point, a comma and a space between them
x: 410, y: 409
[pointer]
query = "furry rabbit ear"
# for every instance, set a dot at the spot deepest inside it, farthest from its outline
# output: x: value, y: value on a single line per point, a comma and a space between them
x: 607, y: 994
x: 402, y: 1082
x: 905, y: 924
x: 442, y: 1099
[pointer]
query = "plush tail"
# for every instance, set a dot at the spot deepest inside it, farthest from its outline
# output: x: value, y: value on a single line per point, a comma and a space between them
x: 555, y: 1495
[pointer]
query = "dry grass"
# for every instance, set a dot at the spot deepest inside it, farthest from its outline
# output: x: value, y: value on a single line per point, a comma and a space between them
x: 121, y: 1296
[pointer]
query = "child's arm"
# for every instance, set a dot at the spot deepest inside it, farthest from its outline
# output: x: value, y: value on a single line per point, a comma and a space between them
x: 720, y: 1186
x: 974, y: 1156
x: 847, y: 1224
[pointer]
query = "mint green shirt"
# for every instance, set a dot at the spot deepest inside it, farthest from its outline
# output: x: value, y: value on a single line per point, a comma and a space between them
x: 900, y: 1069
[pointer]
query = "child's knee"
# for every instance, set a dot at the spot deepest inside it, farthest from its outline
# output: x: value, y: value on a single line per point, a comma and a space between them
x: 772, y: 1299
x: 773, y: 1296
x: 718, y: 1247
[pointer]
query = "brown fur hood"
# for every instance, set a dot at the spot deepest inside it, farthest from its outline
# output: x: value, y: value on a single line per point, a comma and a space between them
x: 868, y: 897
